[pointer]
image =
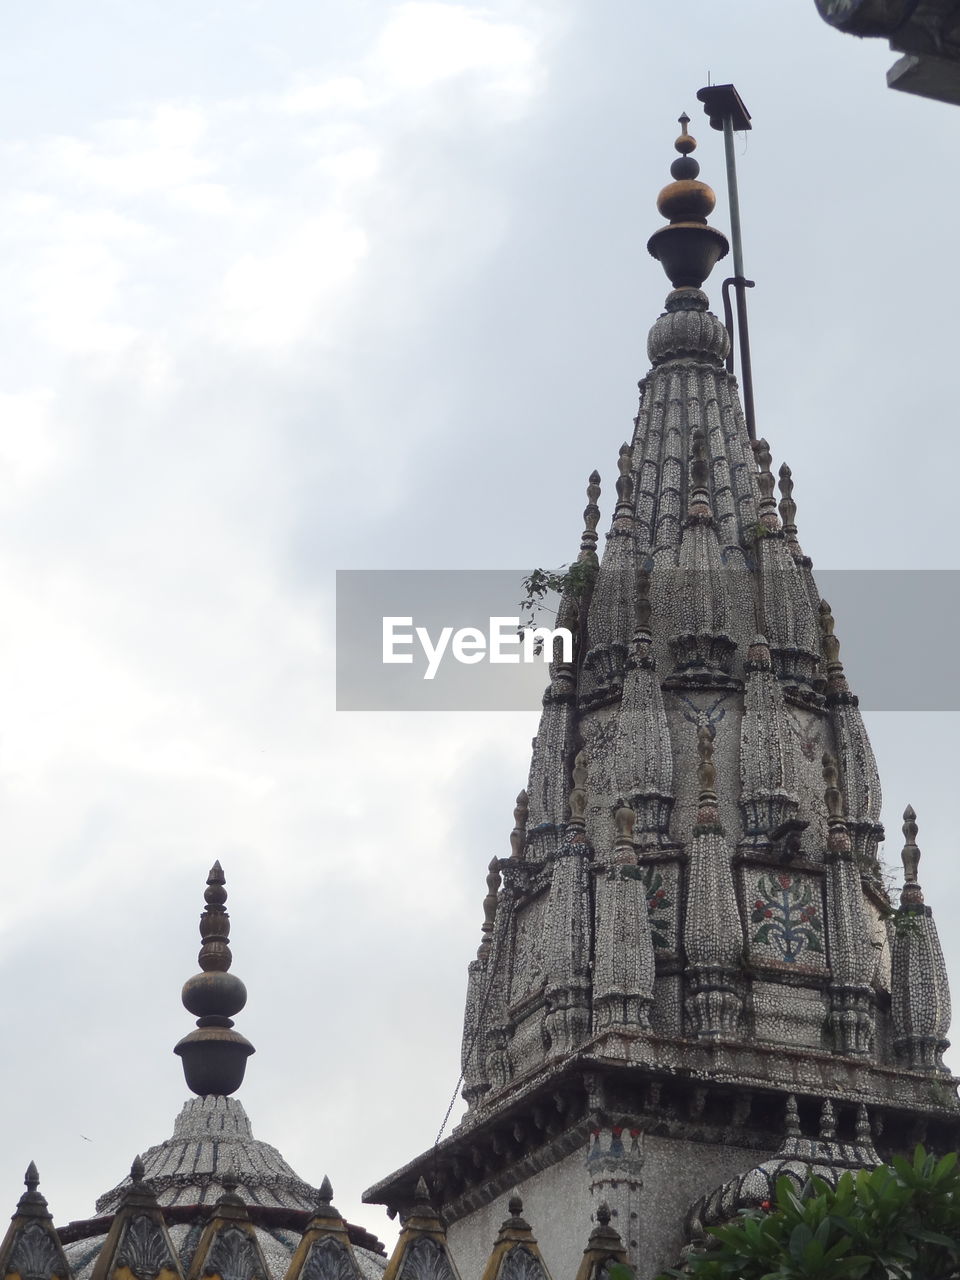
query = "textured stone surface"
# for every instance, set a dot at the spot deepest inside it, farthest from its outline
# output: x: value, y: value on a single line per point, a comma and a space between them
x: 212, y: 1136
x: 692, y: 926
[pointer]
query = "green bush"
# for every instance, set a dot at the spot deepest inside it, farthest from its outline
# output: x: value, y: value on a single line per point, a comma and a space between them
x: 888, y: 1223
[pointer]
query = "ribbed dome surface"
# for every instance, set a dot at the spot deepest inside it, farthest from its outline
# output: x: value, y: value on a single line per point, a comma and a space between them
x: 687, y: 330
x: 212, y: 1136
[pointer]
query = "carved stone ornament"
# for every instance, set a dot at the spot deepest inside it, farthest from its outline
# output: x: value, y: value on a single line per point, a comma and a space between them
x: 233, y: 1257
x: 144, y: 1250
x: 425, y: 1260
x: 521, y: 1264
x: 328, y: 1260
x: 34, y: 1255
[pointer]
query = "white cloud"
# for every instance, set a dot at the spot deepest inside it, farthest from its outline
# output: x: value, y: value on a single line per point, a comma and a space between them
x: 277, y: 299
x: 425, y: 44
x: 27, y: 443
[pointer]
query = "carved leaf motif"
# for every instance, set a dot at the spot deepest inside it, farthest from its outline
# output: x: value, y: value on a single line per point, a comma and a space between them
x: 144, y: 1250
x: 329, y: 1260
x: 425, y: 1260
x: 233, y: 1257
x: 34, y: 1255
x: 520, y: 1264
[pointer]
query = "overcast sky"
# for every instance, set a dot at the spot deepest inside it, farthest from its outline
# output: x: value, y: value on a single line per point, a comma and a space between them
x: 290, y: 287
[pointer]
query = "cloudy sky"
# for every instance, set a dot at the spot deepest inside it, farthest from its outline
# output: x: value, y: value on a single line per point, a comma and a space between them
x: 290, y: 287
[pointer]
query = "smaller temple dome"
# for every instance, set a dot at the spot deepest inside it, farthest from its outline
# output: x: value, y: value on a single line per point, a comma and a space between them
x: 212, y: 1163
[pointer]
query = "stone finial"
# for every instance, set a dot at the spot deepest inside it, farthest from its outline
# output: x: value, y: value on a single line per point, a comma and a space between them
x: 911, y: 854
x: 230, y: 1179
x: 839, y: 844
x: 32, y: 1204
x: 578, y: 795
x: 324, y: 1249
x: 214, y: 1056
x: 831, y: 645
x: 591, y: 518
x: 624, y: 478
x: 708, y: 813
x: 828, y: 1122
x: 792, y: 1117
x: 689, y: 247
x: 911, y: 895
x: 862, y: 1131
x: 489, y: 908
x: 137, y: 1171
x: 421, y: 1251
x: 515, y: 1250
x: 765, y: 481
x: 788, y: 508
x: 518, y: 836
x: 625, y: 820
x: 603, y: 1248
x: 761, y: 451
x: 31, y: 1248
x: 836, y: 679
x: 831, y: 782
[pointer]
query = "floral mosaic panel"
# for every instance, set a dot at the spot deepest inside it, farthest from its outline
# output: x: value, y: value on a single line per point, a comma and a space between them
x: 661, y: 882
x: 785, y: 918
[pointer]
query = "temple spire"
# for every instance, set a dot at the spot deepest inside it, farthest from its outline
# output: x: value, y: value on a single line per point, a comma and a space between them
x: 713, y: 931
x: 214, y: 1056
x: 919, y: 991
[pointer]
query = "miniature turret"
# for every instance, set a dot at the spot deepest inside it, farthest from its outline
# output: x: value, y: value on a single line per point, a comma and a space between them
x: 920, y: 992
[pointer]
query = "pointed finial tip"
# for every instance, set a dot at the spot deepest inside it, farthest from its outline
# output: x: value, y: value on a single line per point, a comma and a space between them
x: 594, y: 477
x: 216, y: 871
x: 603, y: 1214
x: 136, y: 1171
x: 422, y: 1192
x: 230, y: 1179
x: 515, y: 1206
x: 325, y: 1194
x: 909, y: 814
x: 685, y: 143
x: 31, y: 1179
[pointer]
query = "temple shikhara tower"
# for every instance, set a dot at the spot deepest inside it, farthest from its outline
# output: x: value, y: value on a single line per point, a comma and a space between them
x: 691, y: 978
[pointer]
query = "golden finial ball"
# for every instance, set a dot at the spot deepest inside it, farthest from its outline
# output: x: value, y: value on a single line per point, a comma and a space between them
x: 686, y: 142
x: 686, y: 201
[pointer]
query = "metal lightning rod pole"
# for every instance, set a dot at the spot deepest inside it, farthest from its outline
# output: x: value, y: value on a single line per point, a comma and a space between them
x: 726, y: 111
